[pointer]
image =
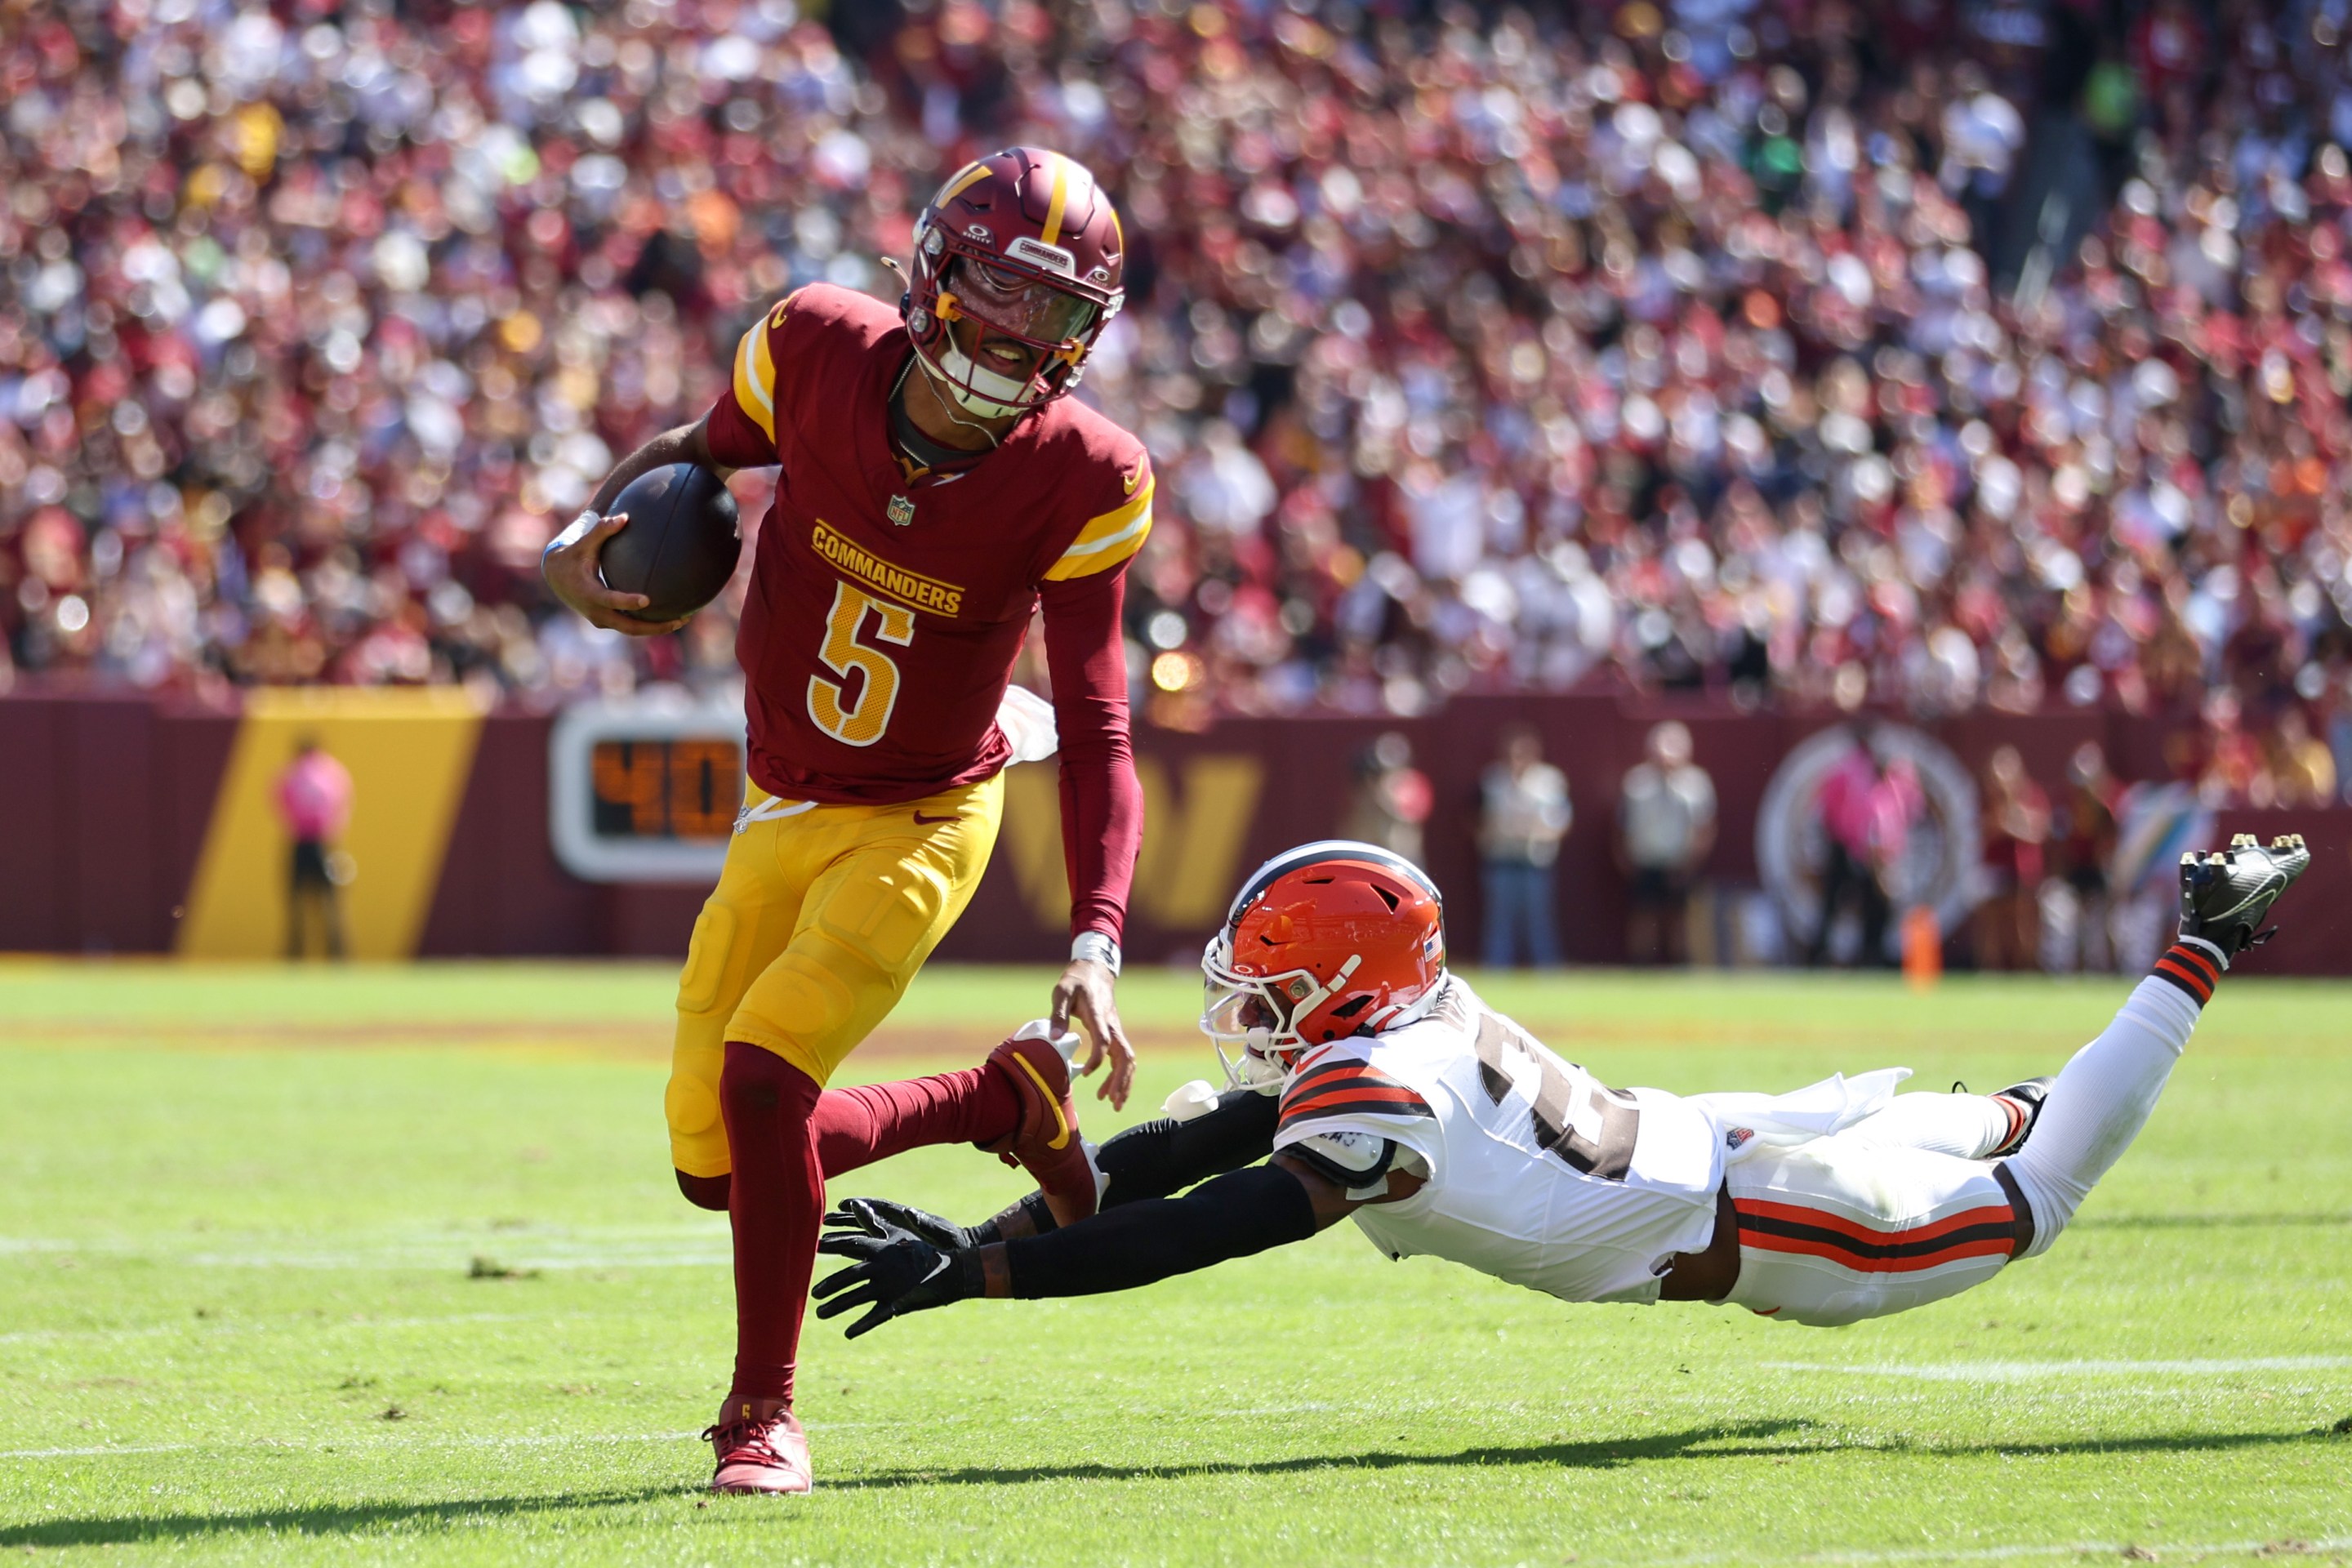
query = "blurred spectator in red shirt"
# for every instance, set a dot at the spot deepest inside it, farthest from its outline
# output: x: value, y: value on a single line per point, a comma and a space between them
x: 2006, y: 924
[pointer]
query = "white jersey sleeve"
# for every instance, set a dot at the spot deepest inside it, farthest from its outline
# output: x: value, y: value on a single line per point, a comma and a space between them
x: 1354, y: 1121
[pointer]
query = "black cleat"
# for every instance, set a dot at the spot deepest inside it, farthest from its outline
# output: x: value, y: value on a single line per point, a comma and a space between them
x: 2225, y: 895
x: 2025, y: 1098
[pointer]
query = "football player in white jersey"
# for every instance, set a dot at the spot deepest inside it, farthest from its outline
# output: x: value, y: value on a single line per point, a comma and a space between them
x: 1387, y: 1092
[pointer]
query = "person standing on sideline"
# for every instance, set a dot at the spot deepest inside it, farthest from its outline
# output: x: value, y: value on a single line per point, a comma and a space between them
x: 314, y: 801
x: 2016, y: 831
x: 1527, y: 814
x: 2075, y: 903
x: 1393, y: 799
x: 1868, y: 808
x: 1665, y: 829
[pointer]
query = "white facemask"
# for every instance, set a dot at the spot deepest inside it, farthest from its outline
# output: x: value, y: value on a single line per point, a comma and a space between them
x: 974, y: 387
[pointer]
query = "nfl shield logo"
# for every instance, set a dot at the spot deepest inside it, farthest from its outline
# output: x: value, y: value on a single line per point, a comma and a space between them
x: 901, y: 511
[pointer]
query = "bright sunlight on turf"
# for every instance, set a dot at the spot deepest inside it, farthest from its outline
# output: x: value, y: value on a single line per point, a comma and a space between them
x: 388, y: 1264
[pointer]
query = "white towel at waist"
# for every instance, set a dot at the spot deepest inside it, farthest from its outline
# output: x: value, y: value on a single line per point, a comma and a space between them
x: 1783, y: 1121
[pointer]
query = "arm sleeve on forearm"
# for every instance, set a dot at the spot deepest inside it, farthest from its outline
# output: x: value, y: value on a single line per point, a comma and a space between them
x: 1154, y: 1159
x: 1236, y: 1214
x: 1102, y: 804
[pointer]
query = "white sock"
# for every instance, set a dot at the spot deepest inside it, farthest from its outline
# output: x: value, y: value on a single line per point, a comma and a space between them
x: 2099, y: 1103
x: 1967, y: 1126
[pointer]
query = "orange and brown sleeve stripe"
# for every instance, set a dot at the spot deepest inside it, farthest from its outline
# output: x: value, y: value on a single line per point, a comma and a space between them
x: 1348, y: 1089
x: 2189, y: 970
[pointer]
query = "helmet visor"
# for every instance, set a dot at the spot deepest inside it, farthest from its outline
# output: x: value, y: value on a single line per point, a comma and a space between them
x: 1017, y: 303
x: 1235, y: 1009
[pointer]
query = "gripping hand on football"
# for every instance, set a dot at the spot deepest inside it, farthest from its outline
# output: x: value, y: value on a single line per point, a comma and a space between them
x: 574, y: 558
x: 895, y: 1272
x: 570, y: 565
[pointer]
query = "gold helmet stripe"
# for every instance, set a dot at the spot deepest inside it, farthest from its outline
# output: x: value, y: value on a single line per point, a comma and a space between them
x: 971, y: 175
x: 1060, y: 199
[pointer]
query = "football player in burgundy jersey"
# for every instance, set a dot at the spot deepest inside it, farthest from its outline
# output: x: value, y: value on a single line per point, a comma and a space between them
x: 1387, y: 1092
x: 936, y: 488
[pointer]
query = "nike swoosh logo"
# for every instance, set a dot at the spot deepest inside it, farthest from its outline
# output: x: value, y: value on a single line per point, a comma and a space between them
x: 1128, y: 480
x: 1053, y: 1102
x: 928, y: 821
x: 2256, y: 893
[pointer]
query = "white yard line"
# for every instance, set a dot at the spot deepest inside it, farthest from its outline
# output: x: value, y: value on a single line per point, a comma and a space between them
x: 550, y: 1248
x: 2037, y: 1371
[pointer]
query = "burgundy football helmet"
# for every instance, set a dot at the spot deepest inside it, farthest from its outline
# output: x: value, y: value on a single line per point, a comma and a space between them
x: 1025, y: 244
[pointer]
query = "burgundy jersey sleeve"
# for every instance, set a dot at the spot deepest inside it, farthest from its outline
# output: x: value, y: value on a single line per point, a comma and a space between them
x: 1102, y: 804
x: 1083, y: 592
x: 741, y: 426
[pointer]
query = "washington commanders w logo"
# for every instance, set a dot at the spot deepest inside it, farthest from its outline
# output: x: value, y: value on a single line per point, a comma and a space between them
x: 1191, y: 847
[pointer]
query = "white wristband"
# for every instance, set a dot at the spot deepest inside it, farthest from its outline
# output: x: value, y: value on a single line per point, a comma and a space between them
x: 1097, y: 946
x: 575, y: 530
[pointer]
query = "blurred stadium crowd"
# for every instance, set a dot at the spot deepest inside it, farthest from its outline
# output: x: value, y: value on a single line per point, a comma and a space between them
x: 1931, y: 354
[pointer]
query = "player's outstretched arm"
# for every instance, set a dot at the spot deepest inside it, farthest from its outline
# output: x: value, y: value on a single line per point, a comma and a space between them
x: 1151, y: 1160
x: 571, y: 561
x: 1236, y: 1214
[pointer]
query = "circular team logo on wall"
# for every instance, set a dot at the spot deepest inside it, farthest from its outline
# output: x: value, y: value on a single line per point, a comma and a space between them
x: 1937, y: 863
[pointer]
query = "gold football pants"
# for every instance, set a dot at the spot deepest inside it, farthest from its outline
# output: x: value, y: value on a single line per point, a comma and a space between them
x: 821, y: 915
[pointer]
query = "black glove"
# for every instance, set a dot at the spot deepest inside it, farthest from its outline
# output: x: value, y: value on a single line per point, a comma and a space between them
x: 895, y: 1272
x: 882, y: 1218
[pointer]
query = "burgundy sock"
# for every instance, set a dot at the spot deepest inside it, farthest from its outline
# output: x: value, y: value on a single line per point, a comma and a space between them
x: 776, y: 1202
x: 873, y: 1121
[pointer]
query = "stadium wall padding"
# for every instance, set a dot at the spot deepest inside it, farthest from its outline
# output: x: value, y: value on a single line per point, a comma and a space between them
x: 107, y: 805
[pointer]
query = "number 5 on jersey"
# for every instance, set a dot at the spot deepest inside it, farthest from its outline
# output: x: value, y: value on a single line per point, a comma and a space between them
x: 858, y: 721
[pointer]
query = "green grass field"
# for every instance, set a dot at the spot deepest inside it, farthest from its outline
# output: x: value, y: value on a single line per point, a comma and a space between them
x: 387, y: 1265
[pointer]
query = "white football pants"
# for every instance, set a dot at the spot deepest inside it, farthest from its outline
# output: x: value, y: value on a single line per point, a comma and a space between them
x: 1893, y: 1214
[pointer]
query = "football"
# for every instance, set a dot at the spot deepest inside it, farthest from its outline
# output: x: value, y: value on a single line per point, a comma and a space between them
x: 680, y: 543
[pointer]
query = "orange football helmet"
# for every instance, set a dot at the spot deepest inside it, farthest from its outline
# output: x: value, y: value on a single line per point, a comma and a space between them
x: 1027, y: 245
x: 1329, y: 939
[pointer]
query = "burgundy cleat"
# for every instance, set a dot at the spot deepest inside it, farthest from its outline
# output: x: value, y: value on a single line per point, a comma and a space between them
x: 760, y: 1447
x: 1047, y: 1142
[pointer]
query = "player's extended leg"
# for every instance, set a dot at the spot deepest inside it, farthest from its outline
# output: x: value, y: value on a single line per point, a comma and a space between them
x: 885, y: 890
x: 1017, y: 1105
x: 1839, y: 1230
x: 2103, y: 1097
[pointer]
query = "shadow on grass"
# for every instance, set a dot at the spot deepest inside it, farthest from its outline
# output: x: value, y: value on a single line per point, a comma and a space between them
x: 327, y: 1519
x: 1780, y: 1439
x: 1748, y: 1439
